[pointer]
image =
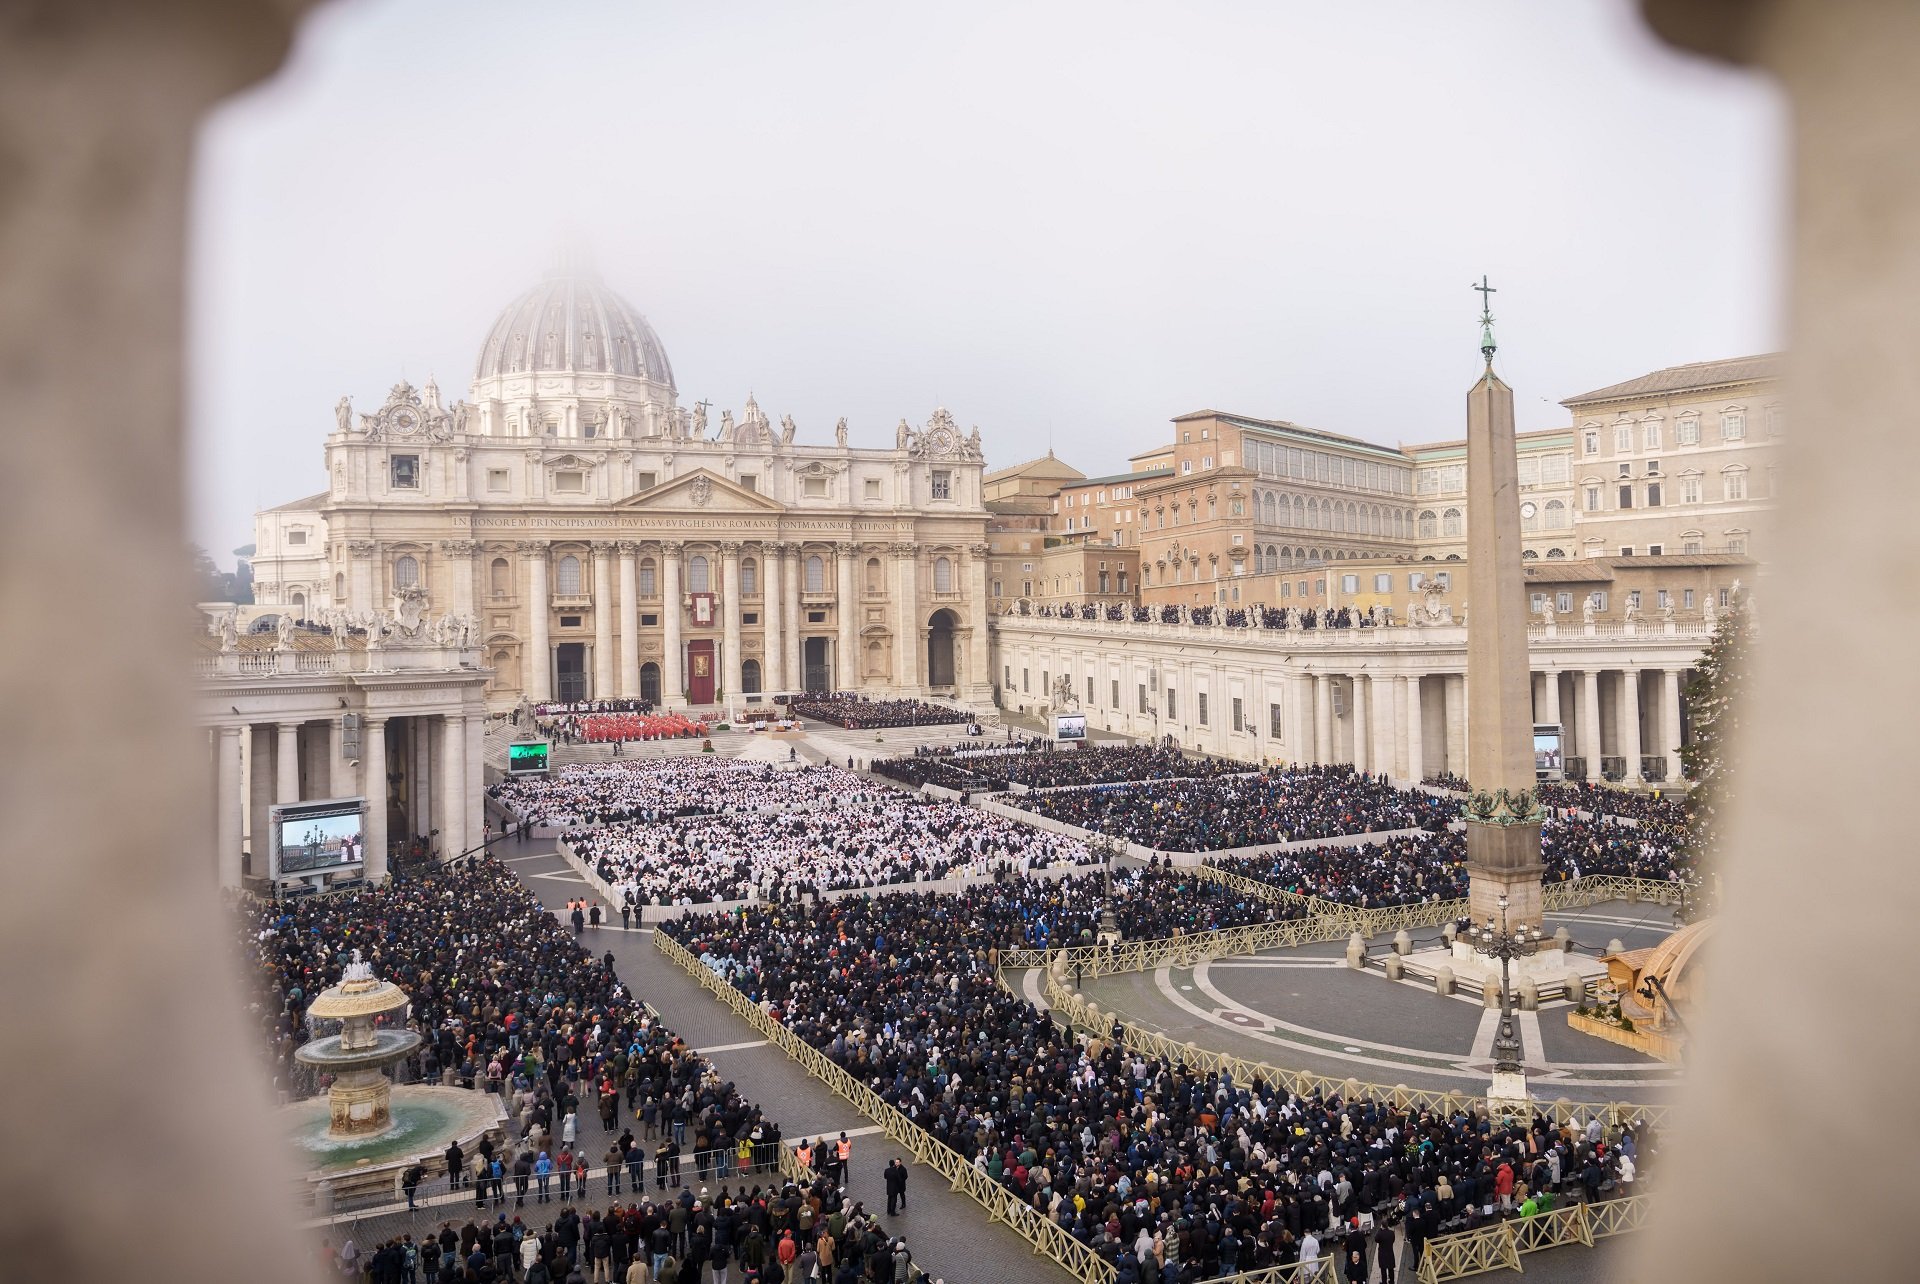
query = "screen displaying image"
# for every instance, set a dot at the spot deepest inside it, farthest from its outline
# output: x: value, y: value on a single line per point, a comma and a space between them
x: 527, y: 757
x: 1546, y: 751
x: 311, y: 840
x: 1070, y: 726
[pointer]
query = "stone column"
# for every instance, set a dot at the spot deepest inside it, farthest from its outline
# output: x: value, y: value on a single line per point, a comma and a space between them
x: 773, y: 670
x: 1550, y: 709
x: 539, y: 658
x: 1359, y: 714
x: 730, y: 621
x: 1590, y: 721
x: 259, y: 794
x: 629, y: 622
x: 339, y: 778
x: 846, y: 612
x: 362, y: 593
x: 1303, y: 692
x: 1323, y: 718
x: 373, y: 778
x: 453, y: 789
x: 979, y: 661
x: 459, y: 554
x: 1416, y: 732
x: 790, y: 627
x: 1454, y: 712
x: 286, y: 762
x: 603, y: 608
x: 906, y: 659
x: 672, y: 686
x: 473, y: 788
x: 229, y: 807
x: 1630, y: 722
x: 1669, y: 724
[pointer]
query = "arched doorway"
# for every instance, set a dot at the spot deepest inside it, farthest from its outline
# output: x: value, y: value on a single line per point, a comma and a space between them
x: 650, y: 682
x: 750, y: 677
x: 940, y: 648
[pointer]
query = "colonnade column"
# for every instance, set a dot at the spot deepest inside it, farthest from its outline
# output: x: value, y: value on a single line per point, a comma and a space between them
x: 790, y: 627
x: 339, y: 777
x: 1670, y: 724
x: 453, y: 789
x: 906, y: 668
x: 1303, y: 688
x: 1381, y: 691
x: 1630, y: 723
x: 259, y: 793
x: 629, y: 622
x: 373, y: 767
x: 1455, y: 689
x: 539, y: 658
x: 1361, y: 711
x: 1550, y: 708
x: 473, y: 788
x: 286, y: 762
x: 773, y: 673
x: 672, y: 691
x: 1590, y: 721
x: 730, y: 619
x: 1323, y: 718
x: 1416, y: 732
x: 846, y: 610
x: 603, y: 666
x: 229, y: 807
x: 978, y: 662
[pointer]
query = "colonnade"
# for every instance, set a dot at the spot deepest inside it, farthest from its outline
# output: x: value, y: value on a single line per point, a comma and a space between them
x: 423, y: 771
x: 1628, y: 723
x: 779, y: 598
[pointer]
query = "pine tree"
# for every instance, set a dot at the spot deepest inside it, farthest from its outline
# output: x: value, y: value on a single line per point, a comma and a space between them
x: 1714, y: 703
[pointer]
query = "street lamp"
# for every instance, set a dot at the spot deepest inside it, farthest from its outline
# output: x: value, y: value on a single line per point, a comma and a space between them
x: 1107, y: 848
x: 1500, y: 943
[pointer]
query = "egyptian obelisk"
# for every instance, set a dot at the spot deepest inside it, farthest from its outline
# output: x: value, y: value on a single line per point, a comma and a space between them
x: 1503, y: 818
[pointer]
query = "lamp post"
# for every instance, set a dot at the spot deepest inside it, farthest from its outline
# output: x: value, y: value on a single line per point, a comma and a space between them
x: 1107, y: 847
x: 1500, y: 943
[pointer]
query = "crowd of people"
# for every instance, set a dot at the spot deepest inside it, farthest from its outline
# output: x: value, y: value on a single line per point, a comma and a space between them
x: 859, y: 713
x: 655, y: 789
x: 1166, y: 1173
x: 619, y: 728
x: 782, y: 1232
x: 870, y: 840
x: 1103, y: 764
x: 506, y: 1000
x: 1605, y: 800
x: 1273, y: 618
x: 1280, y: 805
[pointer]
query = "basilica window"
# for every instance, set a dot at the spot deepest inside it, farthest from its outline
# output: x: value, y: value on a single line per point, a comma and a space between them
x: 405, y: 472
x: 813, y: 487
x: 570, y: 481
x: 749, y: 578
x: 870, y: 488
x: 649, y: 578
x: 942, y: 575
x: 567, y: 581
x: 339, y: 588
x: 699, y: 575
x: 497, y: 482
x: 296, y: 538
x: 874, y: 582
x: 816, y: 572
x: 499, y: 577
x: 750, y: 481
x: 942, y: 483
x: 406, y: 572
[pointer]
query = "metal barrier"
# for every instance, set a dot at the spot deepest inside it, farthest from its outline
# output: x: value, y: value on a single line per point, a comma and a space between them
x: 1500, y: 1246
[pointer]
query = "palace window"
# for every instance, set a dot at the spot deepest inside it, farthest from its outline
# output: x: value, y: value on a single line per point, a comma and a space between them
x: 1622, y: 438
x: 1429, y: 525
x: 1733, y: 426
x: 1733, y: 483
x: 1590, y: 441
x: 1653, y: 494
x: 1450, y: 522
x: 1626, y: 497
x: 1200, y: 708
x: 1688, y: 433
x: 1563, y: 602
x: 1650, y: 434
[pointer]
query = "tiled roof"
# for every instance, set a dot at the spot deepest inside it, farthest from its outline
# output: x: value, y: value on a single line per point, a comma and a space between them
x: 301, y: 505
x: 1699, y: 375
x: 1144, y: 474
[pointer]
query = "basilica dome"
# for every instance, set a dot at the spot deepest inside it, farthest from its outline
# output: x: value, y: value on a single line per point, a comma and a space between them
x: 573, y: 323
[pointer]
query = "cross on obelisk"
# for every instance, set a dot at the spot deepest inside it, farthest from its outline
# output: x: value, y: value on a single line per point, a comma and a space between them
x: 1486, y: 318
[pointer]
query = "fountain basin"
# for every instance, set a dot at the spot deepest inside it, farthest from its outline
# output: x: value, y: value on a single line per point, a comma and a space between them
x: 334, y: 1055
x: 423, y: 1121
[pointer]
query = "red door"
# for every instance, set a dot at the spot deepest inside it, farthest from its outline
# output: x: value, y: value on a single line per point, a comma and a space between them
x: 700, y: 672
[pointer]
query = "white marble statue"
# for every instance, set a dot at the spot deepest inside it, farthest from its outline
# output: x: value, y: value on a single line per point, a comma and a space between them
x: 229, y: 627
x: 1633, y: 607
x: 787, y: 430
x: 726, y: 426
x: 343, y: 414
x: 1546, y: 610
x: 699, y: 428
x: 1711, y: 612
x: 1586, y: 610
x: 900, y: 436
x: 1666, y: 608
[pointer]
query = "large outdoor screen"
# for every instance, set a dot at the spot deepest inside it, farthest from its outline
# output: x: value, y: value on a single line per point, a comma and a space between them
x: 1069, y: 726
x: 1547, y: 762
x: 317, y: 835
x: 526, y: 758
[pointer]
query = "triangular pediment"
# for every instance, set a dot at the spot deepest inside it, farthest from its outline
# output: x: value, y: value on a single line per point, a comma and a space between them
x: 702, y: 491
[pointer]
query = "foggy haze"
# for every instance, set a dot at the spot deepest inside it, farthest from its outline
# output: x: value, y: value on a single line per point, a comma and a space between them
x: 1067, y: 223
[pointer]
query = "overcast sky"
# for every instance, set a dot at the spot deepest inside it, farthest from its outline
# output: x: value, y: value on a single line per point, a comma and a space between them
x: 1065, y: 222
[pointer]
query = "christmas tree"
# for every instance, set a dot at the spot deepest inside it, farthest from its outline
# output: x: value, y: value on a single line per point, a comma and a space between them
x: 1714, y: 702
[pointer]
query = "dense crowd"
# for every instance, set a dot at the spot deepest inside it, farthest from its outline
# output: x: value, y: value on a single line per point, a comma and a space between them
x: 619, y: 728
x: 1432, y: 866
x: 1105, y: 764
x: 1605, y: 800
x: 915, y: 770
x: 1166, y: 1173
x: 504, y: 998
x: 1272, y: 618
x: 1245, y: 811
x: 862, y: 841
x: 780, y: 1232
x: 858, y: 713
x: 1447, y: 780
x: 655, y: 789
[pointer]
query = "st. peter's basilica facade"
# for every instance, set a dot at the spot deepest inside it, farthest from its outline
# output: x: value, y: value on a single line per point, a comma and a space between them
x: 600, y: 540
